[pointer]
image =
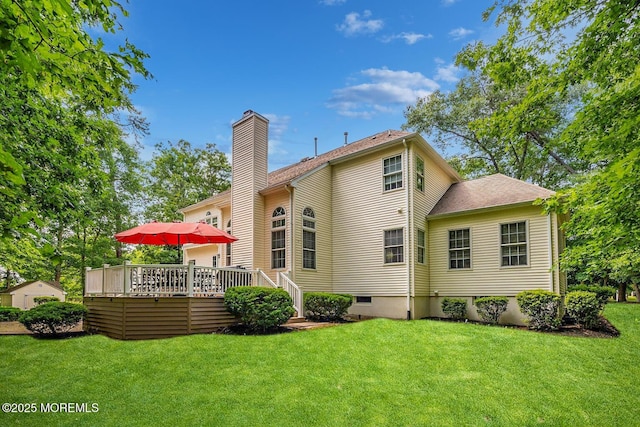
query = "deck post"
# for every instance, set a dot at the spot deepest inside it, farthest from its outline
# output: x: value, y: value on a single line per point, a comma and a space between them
x: 190, y: 276
x: 104, y: 275
x: 127, y: 277
x: 86, y: 271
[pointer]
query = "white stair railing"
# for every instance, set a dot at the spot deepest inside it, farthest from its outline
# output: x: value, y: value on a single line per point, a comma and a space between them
x: 263, y: 279
x: 293, y: 290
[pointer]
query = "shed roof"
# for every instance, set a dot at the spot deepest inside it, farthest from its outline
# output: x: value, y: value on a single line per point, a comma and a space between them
x: 487, y: 192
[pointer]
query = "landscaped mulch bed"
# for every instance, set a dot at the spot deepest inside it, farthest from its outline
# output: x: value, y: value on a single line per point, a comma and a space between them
x: 606, y: 329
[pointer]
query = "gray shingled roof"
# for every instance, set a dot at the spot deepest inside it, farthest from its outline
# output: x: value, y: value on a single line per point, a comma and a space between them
x: 490, y: 191
x: 285, y: 175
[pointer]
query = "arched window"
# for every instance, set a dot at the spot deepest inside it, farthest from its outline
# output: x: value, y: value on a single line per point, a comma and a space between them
x: 308, y: 238
x: 278, y: 238
x: 211, y: 220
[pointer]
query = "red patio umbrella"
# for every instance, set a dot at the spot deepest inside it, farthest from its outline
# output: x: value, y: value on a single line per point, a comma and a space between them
x: 174, y: 233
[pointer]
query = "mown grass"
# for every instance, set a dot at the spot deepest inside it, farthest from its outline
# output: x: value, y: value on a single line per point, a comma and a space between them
x: 373, y: 373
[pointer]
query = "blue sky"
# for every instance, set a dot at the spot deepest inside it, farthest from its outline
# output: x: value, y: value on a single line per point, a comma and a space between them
x: 315, y: 68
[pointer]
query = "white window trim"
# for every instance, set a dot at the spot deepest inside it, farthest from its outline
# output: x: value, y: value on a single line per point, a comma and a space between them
x: 423, y: 173
x: 404, y: 247
x: 470, y: 249
x: 282, y: 227
x: 528, y: 237
x: 310, y: 230
x: 423, y: 246
x: 401, y: 172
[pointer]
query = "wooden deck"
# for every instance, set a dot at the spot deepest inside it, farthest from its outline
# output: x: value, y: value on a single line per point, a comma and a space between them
x: 158, y: 301
x: 134, y: 318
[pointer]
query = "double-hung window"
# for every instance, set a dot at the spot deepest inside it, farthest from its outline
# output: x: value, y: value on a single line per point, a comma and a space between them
x: 513, y: 244
x: 459, y: 249
x: 392, y: 172
x: 393, y: 246
x: 308, y: 238
x: 420, y: 246
x: 278, y: 238
x: 419, y: 174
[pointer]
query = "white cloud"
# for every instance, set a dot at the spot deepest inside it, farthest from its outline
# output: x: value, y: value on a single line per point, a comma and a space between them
x: 460, y: 33
x: 409, y: 38
x: 448, y: 73
x: 385, y: 91
x: 332, y: 2
x: 353, y: 25
x: 278, y: 126
x: 448, y: 2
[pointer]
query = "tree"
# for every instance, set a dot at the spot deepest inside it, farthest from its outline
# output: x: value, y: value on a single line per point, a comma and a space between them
x: 62, y: 97
x: 46, y: 52
x: 594, y: 44
x: 486, y: 120
x: 181, y: 175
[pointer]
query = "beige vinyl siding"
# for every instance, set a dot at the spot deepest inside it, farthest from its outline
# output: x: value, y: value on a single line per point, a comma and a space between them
x: 361, y: 213
x: 486, y: 276
x: 249, y: 176
x: 199, y: 214
x: 436, y: 183
x: 203, y: 254
x: 314, y: 191
x: 271, y: 202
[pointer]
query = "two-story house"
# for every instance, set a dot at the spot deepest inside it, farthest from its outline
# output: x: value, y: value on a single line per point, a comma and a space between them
x: 385, y: 219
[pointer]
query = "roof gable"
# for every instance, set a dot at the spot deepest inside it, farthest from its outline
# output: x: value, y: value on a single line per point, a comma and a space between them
x: 487, y: 192
x: 289, y: 173
x: 54, y: 285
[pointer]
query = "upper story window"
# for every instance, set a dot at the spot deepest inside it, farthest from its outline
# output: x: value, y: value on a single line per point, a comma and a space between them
x: 278, y: 238
x: 211, y: 220
x: 393, y: 246
x: 392, y: 172
x: 419, y: 174
x: 459, y: 248
x: 278, y: 217
x: 513, y: 244
x: 308, y: 238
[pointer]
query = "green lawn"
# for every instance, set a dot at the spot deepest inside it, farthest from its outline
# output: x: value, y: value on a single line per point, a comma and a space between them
x: 378, y: 372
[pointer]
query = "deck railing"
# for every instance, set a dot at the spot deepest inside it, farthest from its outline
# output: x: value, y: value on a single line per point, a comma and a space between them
x: 292, y: 289
x: 168, y: 280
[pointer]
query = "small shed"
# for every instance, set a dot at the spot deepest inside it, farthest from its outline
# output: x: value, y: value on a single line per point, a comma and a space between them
x: 22, y: 295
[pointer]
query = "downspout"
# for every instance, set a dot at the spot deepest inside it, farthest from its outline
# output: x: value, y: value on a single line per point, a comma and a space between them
x: 289, y: 189
x: 549, y: 230
x: 409, y: 226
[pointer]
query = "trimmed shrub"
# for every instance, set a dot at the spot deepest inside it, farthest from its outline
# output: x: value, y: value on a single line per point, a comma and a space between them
x: 603, y: 293
x: 541, y: 307
x: 259, y: 308
x: 43, y: 299
x: 53, y: 318
x: 491, y: 308
x: 584, y: 308
x: 455, y: 308
x: 324, y: 306
x: 9, y: 314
